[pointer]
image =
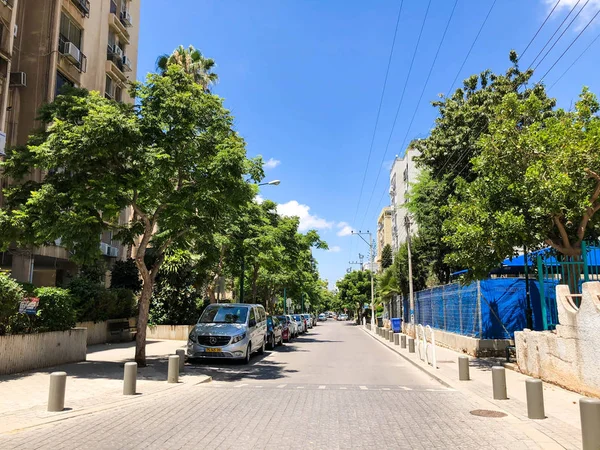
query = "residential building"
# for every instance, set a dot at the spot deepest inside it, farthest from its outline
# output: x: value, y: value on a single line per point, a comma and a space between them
x: 50, y: 43
x: 384, y: 232
x: 404, y: 172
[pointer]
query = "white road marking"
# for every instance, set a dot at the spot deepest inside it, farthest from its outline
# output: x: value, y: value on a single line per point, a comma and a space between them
x: 240, y: 385
x: 282, y: 386
x: 440, y: 390
x: 343, y: 388
x: 405, y: 388
x: 299, y: 387
x: 321, y: 387
x: 385, y: 389
x: 363, y: 388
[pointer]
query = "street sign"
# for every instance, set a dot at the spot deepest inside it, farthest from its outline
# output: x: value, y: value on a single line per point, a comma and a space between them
x: 29, y: 306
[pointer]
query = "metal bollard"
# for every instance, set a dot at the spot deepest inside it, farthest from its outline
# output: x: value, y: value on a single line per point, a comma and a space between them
x: 396, y: 338
x: 411, y: 345
x: 534, y: 389
x: 391, y: 336
x: 499, y: 383
x: 386, y: 334
x: 589, y: 409
x: 463, y: 368
x: 129, y: 378
x: 403, y: 341
x: 181, y: 354
x: 56, y: 395
x: 173, y: 372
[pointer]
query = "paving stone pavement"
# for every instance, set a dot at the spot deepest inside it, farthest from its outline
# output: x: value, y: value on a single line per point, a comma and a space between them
x: 294, y: 398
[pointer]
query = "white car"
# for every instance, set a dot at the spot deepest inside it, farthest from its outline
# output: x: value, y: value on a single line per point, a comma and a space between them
x: 302, y: 328
x: 322, y: 317
x: 343, y: 316
x: 295, y: 331
x: 309, y: 322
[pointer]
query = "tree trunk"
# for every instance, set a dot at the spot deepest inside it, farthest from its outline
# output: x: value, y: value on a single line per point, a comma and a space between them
x: 254, y: 278
x: 142, y: 323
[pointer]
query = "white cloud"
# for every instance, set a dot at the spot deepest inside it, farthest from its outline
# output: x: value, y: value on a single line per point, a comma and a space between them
x: 271, y: 163
x: 258, y: 199
x: 345, y: 229
x: 583, y: 18
x: 307, y: 220
x: 335, y: 249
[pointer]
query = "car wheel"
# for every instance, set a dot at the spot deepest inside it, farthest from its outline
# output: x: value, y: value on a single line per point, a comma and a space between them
x: 262, y: 348
x: 248, y: 354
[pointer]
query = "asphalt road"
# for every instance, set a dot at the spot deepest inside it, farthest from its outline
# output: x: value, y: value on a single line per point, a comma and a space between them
x: 335, y: 387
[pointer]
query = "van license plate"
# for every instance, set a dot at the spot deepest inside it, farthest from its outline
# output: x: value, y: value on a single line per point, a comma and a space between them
x: 213, y: 350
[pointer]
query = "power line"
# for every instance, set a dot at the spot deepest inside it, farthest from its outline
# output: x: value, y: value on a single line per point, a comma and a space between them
x: 398, y: 109
x: 471, y: 48
x: 460, y: 70
x: 387, y: 71
x: 379, y: 110
x: 539, y: 29
x: 429, y: 74
x: 553, y: 34
x: 561, y: 35
x: 570, y: 45
x: 575, y: 61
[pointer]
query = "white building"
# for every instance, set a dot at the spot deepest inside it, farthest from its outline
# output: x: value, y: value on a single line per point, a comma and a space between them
x: 404, y: 172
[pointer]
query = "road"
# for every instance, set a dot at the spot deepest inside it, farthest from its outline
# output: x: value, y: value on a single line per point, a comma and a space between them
x: 335, y: 387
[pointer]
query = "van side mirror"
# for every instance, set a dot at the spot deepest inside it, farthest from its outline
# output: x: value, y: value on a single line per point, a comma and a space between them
x: 252, y: 323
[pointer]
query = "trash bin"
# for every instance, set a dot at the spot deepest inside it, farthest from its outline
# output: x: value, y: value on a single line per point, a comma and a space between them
x: 380, y: 322
x: 396, y: 324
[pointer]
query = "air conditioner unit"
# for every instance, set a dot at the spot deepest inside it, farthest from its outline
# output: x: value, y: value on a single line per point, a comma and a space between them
x: 18, y: 79
x: 72, y: 52
x: 126, y: 18
x: 118, y: 50
x: 104, y: 248
x: 113, y: 251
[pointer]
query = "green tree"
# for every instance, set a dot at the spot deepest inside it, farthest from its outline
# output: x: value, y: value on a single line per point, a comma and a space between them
x: 354, y: 291
x: 537, y: 184
x: 386, y: 256
x: 447, y: 153
x: 11, y: 295
x: 174, y: 160
x: 193, y: 62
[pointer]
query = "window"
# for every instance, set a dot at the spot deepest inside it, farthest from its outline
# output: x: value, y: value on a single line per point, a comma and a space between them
x: 225, y: 314
x: 252, y: 316
x: 109, y: 89
x: 118, y: 94
x: 61, y: 80
x: 69, y: 32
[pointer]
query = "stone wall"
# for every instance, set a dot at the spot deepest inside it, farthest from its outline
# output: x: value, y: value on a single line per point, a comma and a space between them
x: 97, y: 332
x: 173, y: 332
x: 21, y: 352
x: 570, y: 355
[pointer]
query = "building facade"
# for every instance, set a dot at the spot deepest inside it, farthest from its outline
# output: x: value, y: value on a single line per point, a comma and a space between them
x: 384, y: 232
x: 52, y: 43
x: 404, y: 172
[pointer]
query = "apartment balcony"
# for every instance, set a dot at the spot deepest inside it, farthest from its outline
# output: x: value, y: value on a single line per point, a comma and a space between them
x: 73, y: 60
x: 83, y: 6
x: 115, y: 63
x: 119, y: 21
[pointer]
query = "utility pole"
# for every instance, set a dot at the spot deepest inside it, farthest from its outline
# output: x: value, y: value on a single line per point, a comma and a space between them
x: 410, y: 276
x: 371, y: 256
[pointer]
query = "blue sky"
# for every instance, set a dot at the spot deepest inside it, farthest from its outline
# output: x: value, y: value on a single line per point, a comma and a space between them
x: 303, y: 79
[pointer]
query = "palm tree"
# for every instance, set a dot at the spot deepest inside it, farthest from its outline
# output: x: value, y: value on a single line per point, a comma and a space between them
x: 193, y: 62
x: 387, y: 283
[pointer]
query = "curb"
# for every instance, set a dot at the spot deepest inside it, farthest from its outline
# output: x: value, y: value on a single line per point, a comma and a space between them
x: 418, y: 366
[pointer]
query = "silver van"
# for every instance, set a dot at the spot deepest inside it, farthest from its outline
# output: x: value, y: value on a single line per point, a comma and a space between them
x: 229, y: 330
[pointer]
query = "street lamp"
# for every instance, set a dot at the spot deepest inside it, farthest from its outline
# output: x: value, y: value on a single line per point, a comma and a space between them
x: 370, y: 244
x: 269, y: 183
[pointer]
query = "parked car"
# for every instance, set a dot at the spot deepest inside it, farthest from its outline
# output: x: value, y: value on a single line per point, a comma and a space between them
x: 293, y: 326
x: 229, y: 330
x: 343, y: 316
x: 330, y: 315
x: 308, y: 320
x: 322, y: 317
x: 302, y: 327
x: 286, y: 328
x: 274, y: 332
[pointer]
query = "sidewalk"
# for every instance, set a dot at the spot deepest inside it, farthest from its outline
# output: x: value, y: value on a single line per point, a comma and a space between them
x: 562, y: 424
x: 91, y: 385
